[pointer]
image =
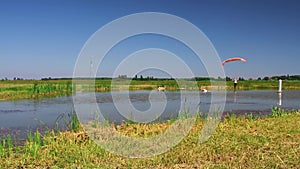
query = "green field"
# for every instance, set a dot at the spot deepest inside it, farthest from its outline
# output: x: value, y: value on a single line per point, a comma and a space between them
x: 30, y: 89
x: 238, y: 142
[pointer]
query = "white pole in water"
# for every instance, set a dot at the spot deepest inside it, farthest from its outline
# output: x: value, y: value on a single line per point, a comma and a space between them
x: 280, y: 86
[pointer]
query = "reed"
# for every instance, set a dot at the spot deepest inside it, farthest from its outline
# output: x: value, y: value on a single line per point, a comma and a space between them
x: 69, y: 120
x: 33, y: 144
x: 6, y: 147
x: 280, y: 112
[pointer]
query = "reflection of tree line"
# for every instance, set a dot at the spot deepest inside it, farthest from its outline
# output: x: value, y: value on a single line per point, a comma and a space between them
x: 279, y: 103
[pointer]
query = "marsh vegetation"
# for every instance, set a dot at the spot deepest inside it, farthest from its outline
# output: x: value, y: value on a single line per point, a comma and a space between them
x: 29, y: 89
x: 271, y: 142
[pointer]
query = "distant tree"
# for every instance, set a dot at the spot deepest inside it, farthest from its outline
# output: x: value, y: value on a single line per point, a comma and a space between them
x: 294, y: 77
x: 259, y: 78
x: 19, y: 78
x: 278, y: 77
x: 228, y: 78
x: 266, y: 78
x: 141, y: 77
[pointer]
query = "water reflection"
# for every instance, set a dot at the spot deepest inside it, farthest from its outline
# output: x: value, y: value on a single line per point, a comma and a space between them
x: 279, y: 98
x: 234, y: 97
x: 23, y: 114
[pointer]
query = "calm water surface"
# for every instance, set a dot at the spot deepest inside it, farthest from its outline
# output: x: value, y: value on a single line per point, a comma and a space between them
x: 18, y: 117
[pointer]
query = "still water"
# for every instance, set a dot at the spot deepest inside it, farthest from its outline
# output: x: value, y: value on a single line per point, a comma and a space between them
x: 19, y: 117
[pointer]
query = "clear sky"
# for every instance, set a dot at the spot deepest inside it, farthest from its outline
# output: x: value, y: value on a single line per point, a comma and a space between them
x: 40, y: 38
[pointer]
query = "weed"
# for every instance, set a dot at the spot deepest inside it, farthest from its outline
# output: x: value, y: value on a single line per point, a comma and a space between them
x: 250, y: 116
x: 278, y: 112
x: 74, y: 124
x: 172, y: 119
x: 70, y: 120
x: 232, y: 117
x: 33, y: 144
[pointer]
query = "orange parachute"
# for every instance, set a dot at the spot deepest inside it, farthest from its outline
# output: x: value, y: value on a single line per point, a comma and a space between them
x: 234, y: 59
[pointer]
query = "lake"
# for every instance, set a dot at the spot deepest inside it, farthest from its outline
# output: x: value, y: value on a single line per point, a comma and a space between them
x: 19, y: 117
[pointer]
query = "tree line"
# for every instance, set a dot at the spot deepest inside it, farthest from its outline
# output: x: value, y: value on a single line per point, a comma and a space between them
x: 141, y: 77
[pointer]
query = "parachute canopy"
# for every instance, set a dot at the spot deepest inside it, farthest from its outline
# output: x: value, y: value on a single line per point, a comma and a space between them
x: 234, y: 59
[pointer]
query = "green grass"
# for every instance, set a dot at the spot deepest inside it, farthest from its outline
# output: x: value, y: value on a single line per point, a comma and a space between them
x: 32, y: 89
x: 238, y: 142
x: 264, y: 85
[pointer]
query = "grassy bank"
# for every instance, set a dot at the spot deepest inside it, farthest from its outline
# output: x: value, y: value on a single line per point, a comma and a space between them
x: 30, y: 89
x: 238, y: 142
x: 265, y: 85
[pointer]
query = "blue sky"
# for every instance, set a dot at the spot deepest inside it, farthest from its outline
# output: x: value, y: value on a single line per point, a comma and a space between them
x: 41, y: 38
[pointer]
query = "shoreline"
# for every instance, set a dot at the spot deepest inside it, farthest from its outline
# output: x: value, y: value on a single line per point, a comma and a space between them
x: 56, y: 95
x: 34, y: 89
x: 20, y: 134
x: 237, y: 142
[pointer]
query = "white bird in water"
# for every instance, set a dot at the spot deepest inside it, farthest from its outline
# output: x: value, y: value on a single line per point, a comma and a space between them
x: 204, y: 90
